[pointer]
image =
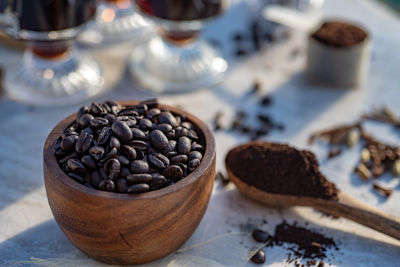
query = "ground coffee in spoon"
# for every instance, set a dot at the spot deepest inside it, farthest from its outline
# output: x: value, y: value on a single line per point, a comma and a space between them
x: 281, y: 169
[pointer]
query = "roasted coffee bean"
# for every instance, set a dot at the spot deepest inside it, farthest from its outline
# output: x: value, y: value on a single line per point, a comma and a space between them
x: 171, y: 134
x: 164, y: 127
x: 114, y: 142
x: 97, y: 152
x: 123, y: 160
x: 138, y: 134
x: 171, y: 154
x: 145, y: 124
x: 157, y: 181
x: 98, y: 122
x: 128, y: 112
x: 70, y: 156
x: 158, y: 139
x: 138, y: 144
x: 197, y: 147
x: 138, y: 188
x: 111, y: 154
x: 141, y: 108
x: 173, y: 172
x: 183, y: 167
x: 260, y: 236
x: 95, y: 178
x: 171, y: 147
x: 195, y: 155
x: 104, y: 135
x: 158, y: 160
x: 150, y: 103
x: 192, y: 135
x: 122, y: 185
x: 107, y: 185
x: 76, y: 177
x: 179, y: 159
x: 180, y: 131
x: 112, y: 168
x: 83, y: 110
x: 167, y: 117
x: 122, y: 130
x: 139, y: 178
x: 124, y: 172
x: 129, y: 152
x: 110, y: 117
x: 68, y: 143
x: 184, y: 145
x: 152, y: 113
x: 84, y: 120
x: 259, y: 257
x: 96, y: 109
x: 193, y: 164
x: 131, y: 122
x: 89, y: 162
x: 84, y: 141
x: 187, y: 125
x: 139, y: 166
x: 140, y: 154
x: 76, y: 166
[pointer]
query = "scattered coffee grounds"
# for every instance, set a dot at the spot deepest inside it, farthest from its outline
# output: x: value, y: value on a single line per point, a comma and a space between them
x: 130, y: 149
x: 385, y: 192
x: 259, y: 257
x: 334, y: 152
x: 305, y: 243
x: 281, y: 169
x: 339, y: 34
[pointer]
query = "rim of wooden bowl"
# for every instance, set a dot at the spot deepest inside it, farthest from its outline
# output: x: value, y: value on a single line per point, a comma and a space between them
x: 57, y: 173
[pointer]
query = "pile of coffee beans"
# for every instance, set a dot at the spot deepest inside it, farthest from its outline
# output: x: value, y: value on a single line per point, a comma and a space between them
x: 130, y: 149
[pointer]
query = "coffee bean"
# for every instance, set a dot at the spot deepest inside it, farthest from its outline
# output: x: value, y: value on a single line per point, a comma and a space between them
x: 179, y: 159
x: 68, y: 143
x: 138, y: 144
x: 187, y: 125
x: 195, y: 155
x: 110, y: 117
x: 171, y: 154
x: 192, y: 135
x: 76, y: 166
x: 152, y: 113
x: 114, y: 142
x: 173, y: 172
x: 83, y: 110
x: 89, y: 162
x: 123, y: 160
x: 138, y: 188
x: 193, y: 164
x: 180, y: 131
x: 111, y: 154
x: 197, y: 147
x: 139, y: 178
x: 122, y: 130
x: 97, y: 109
x: 112, y: 168
x: 107, y: 185
x: 164, y: 127
x: 158, y: 139
x: 131, y: 122
x: 104, y: 135
x: 128, y: 112
x: 260, y: 236
x: 139, y: 166
x: 259, y: 257
x: 129, y: 152
x: 158, y: 160
x: 77, y: 177
x: 138, y: 134
x: 97, y: 152
x: 122, y: 186
x: 124, y: 172
x: 98, y: 122
x: 84, y: 141
x: 84, y: 120
x: 171, y: 147
x: 145, y: 124
x: 157, y: 181
x: 167, y: 117
x: 184, y: 145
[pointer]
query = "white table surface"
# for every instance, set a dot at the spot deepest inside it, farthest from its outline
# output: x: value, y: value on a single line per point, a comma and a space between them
x: 29, y: 235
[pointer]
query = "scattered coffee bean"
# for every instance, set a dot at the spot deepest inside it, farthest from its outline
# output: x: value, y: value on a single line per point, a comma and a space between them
x: 260, y: 236
x: 255, y: 88
x: 128, y: 149
x: 259, y: 257
x: 333, y: 152
x: 385, y: 192
x: 266, y: 100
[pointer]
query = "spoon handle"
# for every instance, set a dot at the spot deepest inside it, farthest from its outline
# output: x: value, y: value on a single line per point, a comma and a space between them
x: 362, y: 213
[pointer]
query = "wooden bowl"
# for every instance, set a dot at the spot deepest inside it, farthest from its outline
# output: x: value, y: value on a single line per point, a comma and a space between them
x: 128, y: 229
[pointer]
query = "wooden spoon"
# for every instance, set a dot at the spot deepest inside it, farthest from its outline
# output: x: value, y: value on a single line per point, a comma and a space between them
x: 346, y: 206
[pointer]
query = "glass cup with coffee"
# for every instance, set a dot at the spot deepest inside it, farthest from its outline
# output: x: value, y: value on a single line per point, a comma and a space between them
x: 52, y: 71
x: 176, y: 59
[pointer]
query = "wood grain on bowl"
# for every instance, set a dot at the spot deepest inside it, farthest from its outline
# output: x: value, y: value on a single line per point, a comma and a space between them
x: 129, y: 228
